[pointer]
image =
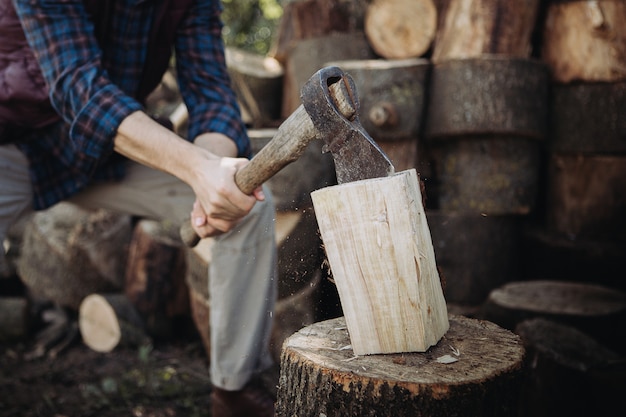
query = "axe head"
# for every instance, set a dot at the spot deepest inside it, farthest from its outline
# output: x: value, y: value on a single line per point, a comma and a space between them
x: 331, y: 101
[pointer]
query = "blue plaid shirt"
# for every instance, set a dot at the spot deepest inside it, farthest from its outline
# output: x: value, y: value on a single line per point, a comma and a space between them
x: 95, y: 85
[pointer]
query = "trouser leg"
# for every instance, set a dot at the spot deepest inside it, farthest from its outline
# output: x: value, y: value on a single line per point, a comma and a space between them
x: 242, y: 272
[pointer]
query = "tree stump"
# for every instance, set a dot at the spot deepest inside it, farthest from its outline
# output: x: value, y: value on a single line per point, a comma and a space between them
x: 258, y: 83
x: 593, y: 309
x: 472, y: 28
x: 381, y: 257
x: 107, y: 321
x: 68, y: 253
x: 569, y: 373
x: 400, y: 29
x: 585, y: 40
x: 155, y: 277
x: 475, y: 370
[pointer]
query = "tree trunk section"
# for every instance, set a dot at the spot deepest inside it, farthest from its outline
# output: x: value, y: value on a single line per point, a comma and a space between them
x: 155, y: 277
x: 593, y: 309
x: 400, y: 29
x: 569, y: 373
x: 472, y: 28
x: 585, y: 40
x: 107, y: 321
x: 381, y: 256
x: 476, y: 370
x: 258, y: 83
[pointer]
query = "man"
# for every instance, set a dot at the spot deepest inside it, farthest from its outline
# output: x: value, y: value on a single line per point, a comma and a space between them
x: 73, y: 78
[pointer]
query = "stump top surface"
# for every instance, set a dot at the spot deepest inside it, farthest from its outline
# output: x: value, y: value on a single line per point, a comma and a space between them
x: 471, y: 351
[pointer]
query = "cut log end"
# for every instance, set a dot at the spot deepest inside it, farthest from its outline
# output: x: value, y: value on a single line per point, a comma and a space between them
x: 98, y: 324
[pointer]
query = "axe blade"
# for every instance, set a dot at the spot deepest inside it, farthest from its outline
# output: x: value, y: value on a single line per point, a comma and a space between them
x: 330, y: 99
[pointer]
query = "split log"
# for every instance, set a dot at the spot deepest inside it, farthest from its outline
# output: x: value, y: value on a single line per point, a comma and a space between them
x: 107, y: 321
x: 400, y: 29
x: 258, y: 83
x: 14, y: 318
x: 585, y: 40
x: 308, y: 56
x: 291, y: 187
x: 69, y: 253
x: 472, y: 28
x: 155, y: 276
x: 593, y: 309
x: 381, y: 257
x: 475, y: 253
x: 476, y: 370
x: 586, y: 196
x: 569, y: 373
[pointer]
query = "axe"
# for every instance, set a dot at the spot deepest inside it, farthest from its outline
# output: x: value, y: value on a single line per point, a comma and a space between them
x: 329, y: 112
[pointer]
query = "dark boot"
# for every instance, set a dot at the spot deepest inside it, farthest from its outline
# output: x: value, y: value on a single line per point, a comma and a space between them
x: 251, y: 401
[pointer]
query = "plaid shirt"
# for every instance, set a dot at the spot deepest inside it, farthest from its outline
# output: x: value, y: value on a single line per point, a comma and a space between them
x: 95, y: 85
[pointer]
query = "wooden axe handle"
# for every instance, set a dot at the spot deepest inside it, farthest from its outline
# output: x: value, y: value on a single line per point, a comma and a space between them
x: 287, y: 145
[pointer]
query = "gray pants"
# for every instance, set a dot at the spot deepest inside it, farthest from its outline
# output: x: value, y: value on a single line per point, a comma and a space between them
x: 242, y: 272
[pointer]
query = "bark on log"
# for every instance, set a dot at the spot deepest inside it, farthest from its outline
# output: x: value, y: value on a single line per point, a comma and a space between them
x: 400, y: 29
x: 69, y: 253
x: 107, y: 321
x: 475, y: 253
x: 258, y: 83
x: 588, y: 118
x: 155, y: 277
x: 14, y: 318
x: 472, y: 28
x: 381, y: 256
x: 569, y: 373
x: 585, y: 40
x: 476, y: 370
x: 587, y: 196
x: 593, y: 309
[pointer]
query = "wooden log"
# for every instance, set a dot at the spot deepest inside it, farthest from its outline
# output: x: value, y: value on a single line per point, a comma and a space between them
x: 306, y: 19
x: 381, y: 256
x: 588, y: 118
x: 155, y: 276
x: 488, y: 95
x: 14, y: 318
x: 107, y: 321
x: 548, y: 254
x: 392, y: 96
x: 569, y: 373
x: 258, y: 83
x: 309, y: 55
x: 472, y: 28
x: 475, y: 253
x: 476, y: 370
x: 400, y: 29
x: 586, y: 196
x: 593, y: 309
x: 69, y: 253
x: 291, y: 187
x: 585, y: 40
x: 489, y: 175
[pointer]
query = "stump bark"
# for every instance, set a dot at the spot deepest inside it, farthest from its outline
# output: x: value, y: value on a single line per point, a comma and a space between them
x: 475, y: 370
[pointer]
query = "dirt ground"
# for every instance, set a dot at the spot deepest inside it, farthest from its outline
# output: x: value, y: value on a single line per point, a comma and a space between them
x: 167, y: 378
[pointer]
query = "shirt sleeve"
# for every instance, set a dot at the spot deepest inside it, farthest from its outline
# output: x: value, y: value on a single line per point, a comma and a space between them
x: 62, y: 38
x: 203, y: 79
